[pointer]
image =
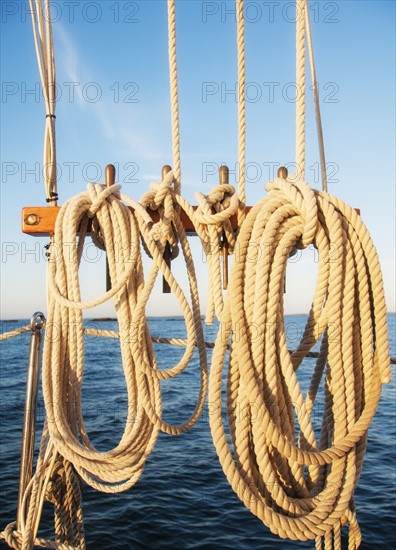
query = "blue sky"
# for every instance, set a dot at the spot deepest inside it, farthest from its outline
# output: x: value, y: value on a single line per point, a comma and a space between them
x: 112, y: 74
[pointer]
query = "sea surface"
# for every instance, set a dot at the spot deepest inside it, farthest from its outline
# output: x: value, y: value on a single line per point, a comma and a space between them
x: 182, y: 501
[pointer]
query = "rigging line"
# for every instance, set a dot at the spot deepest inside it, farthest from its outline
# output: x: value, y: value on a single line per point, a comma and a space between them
x: 316, y: 99
x: 300, y: 87
x: 43, y: 41
x: 174, y: 95
x: 241, y: 111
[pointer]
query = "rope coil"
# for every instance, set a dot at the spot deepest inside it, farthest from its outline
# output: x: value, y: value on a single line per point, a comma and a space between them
x: 300, y: 485
x: 120, y: 468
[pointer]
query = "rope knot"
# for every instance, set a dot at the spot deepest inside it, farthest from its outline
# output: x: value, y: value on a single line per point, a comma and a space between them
x: 12, y: 536
x: 98, y: 194
x: 161, y: 194
x: 221, y: 193
x: 217, y: 206
x: 303, y: 198
x: 161, y: 198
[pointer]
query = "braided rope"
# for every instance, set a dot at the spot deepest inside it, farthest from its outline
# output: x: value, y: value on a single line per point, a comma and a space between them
x: 66, y: 493
x: 300, y: 87
x: 119, y: 468
x: 13, y: 538
x: 241, y: 110
x: 104, y: 333
x: 299, y: 487
x: 23, y: 533
x: 15, y: 332
x: 174, y: 94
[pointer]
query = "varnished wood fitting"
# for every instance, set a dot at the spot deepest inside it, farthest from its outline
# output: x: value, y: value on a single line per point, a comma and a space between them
x: 224, y: 174
x: 45, y: 218
x: 165, y: 170
x: 282, y: 172
x: 110, y: 173
x: 167, y: 252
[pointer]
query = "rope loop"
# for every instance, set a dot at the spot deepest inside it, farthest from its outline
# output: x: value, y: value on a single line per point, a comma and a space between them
x: 98, y: 194
x: 121, y: 230
x: 161, y: 198
x: 295, y: 474
x: 303, y: 198
x: 217, y: 206
x: 159, y: 191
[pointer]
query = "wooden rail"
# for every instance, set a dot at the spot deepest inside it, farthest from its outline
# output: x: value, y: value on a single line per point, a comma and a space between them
x: 39, y: 221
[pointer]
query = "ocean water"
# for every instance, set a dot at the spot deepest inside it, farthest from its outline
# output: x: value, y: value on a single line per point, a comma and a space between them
x: 182, y: 501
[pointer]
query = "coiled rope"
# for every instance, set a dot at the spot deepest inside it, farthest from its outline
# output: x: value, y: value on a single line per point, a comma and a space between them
x: 63, y: 357
x: 298, y: 483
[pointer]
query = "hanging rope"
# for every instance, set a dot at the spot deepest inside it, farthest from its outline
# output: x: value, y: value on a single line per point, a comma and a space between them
x: 303, y: 38
x: 299, y: 483
x: 241, y: 110
x: 300, y: 87
x: 174, y: 94
x: 55, y: 481
x: 41, y: 21
x: 118, y: 229
x: 315, y: 92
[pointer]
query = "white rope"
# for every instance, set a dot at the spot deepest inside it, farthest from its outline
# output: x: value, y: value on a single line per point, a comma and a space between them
x: 299, y: 484
x: 300, y: 87
x: 15, y: 332
x: 34, y: 496
x: 119, y: 229
x: 22, y: 534
x: 42, y: 31
x: 241, y: 110
x: 174, y: 94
